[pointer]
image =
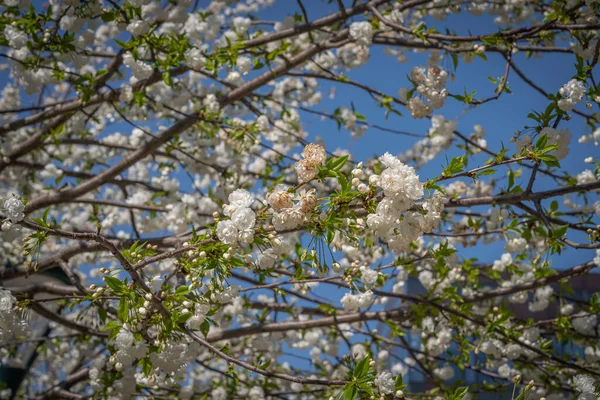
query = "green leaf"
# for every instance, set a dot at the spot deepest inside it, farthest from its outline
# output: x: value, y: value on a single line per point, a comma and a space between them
x: 111, y: 325
x: 122, y: 44
x: 327, y: 308
x: 115, y: 284
x: 399, y: 385
x: 167, y: 78
x: 123, y: 310
x: 459, y: 393
x: 511, y: 179
x: 486, y: 172
x: 343, y: 181
x: 146, y: 366
x: 204, y: 328
x: 541, y: 142
x: 329, y: 235
x: 454, y: 60
x: 184, y: 317
x: 456, y: 165
x: 560, y: 231
x: 101, y: 314
x: 350, y: 393
x: 108, y: 16
x: 337, y: 163
x: 39, y: 221
x: 45, y: 216
x: 362, y: 368
x: 182, y: 290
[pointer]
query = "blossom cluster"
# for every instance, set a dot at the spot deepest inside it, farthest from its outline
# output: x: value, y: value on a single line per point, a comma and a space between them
x: 239, y: 228
x: 11, y: 325
x: 430, y: 84
x: 560, y: 137
x: 14, y: 212
x: 362, y: 32
x: 290, y: 211
x: 572, y: 93
x: 353, y: 302
x: 313, y: 155
x: 241, y: 112
x: 401, y: 187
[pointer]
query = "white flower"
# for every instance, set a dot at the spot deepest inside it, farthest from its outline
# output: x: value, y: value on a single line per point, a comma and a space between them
x: 314, y: 154
x: 515, y: 245
x: 560, y: 137
x: 228, y: 294
x: 211, y: 103
x: 256, y: 393
x: 585, y: 325
x: 241, y: 198
x: 6, y: 225
x: 246, y: 236
x: 227, y: 232
x: 584, y: 383
x: 241, y: 24
x: 418, y: 109
x: 280, y: 199
x: 307, y: 200
x: 399, y: 179
x: 597, y: 258
x: 16, y: 39
x: 194, y: 58
x: 138, y: 27
x: 572, y: 92
x: 267, y: 259
x: 567, y: 309
x: 430, y: 84
x: 524, y: 142
x: 352, y: 302
x: 50, y: 171
x: 126, y: 94
x: 288, y: 218
x: 586, y: 176
x: 385, y: 383
x: 124, y: 339
x: 362, y: 32
x: 505, y: 260
x: 426, y: 279
x: 234, y: 77
x: 369, y: 276
x: 14, y: 209
x: 444, y: 373
x: 305, y: 172
x: 244, y: 64
x: 219, y: 394
x: 7, y: 301
x: 243, y: 218
x: 263, y: 122
x: 199, y: 316
x: 139, y: 69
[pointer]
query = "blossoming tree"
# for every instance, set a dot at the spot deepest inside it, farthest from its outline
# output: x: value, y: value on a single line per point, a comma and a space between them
x: 153, y: 154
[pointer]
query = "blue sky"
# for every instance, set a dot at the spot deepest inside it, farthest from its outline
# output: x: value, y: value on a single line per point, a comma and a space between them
x: 500, y: 118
